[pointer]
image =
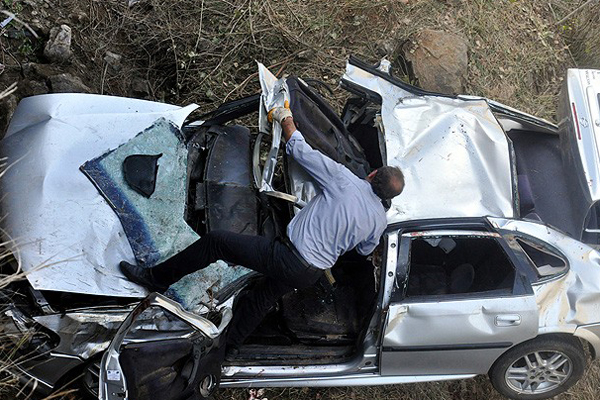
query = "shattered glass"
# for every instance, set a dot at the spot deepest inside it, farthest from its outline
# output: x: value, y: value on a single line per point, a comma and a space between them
x: 154, y: 226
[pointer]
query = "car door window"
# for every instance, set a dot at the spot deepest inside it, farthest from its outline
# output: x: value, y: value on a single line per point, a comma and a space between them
x: 545, y: 262
x: 458, y: 265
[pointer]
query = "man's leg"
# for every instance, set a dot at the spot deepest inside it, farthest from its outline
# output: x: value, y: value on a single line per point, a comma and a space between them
x: 253, y: 252
x: 283, y: 272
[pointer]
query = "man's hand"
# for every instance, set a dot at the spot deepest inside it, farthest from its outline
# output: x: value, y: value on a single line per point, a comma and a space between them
x: 279, y: 113
x: 284, y: 116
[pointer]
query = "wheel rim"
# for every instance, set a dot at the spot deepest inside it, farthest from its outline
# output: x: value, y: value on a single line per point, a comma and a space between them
x: 207, y: 385
x: 539, y: 372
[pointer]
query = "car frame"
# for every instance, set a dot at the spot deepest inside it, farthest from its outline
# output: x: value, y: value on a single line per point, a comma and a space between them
x: 526, y: 321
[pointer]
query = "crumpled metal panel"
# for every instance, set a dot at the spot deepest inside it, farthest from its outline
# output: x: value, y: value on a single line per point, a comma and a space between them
x: 275, y: 93
x: 454, y: 154
x: 84, y: 333
x: 573, y: 299
x: 155, y: 226
x: 66, y: 235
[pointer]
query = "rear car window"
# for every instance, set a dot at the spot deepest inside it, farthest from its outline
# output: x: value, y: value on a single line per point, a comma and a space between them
x: 546, y: 262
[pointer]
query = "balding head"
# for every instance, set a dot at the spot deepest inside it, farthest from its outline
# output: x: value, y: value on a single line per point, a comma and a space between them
x: 387, y: 182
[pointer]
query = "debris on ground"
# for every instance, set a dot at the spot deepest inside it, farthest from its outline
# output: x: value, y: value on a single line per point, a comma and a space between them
x: 256, y: 394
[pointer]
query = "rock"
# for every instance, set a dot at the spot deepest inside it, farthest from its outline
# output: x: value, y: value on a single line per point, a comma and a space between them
x: 439, y: 60
x: 33, y: 87
x: 113, y: 60
x: 67, y: 83
x: 140, y: 87
x: 385, y: 47
x: 36, y: 71
x: 58, y: 47
x: 7, y: 108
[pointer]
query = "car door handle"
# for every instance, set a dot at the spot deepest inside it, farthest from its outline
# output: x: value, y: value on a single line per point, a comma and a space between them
x: 508, y: 320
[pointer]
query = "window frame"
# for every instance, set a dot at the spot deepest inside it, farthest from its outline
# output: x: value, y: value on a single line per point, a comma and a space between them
x: 512, y: 240
x: 520, y: 284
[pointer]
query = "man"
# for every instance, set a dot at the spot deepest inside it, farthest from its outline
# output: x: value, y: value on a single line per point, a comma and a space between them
x: 347, y: 213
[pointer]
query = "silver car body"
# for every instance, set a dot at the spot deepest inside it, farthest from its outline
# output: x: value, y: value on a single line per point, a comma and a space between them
x: 458, y: 163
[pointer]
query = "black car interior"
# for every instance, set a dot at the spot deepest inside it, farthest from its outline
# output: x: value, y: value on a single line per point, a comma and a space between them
x: 323, y: 320
x: 458, y: 265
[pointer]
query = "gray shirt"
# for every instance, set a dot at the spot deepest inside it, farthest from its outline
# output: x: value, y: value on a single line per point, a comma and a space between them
x: 345, y: 214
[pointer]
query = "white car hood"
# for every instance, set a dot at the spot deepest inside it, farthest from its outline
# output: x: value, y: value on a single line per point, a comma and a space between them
x: 64, y: 233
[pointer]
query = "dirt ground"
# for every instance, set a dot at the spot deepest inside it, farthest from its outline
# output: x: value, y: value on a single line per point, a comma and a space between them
x: 205, y: 51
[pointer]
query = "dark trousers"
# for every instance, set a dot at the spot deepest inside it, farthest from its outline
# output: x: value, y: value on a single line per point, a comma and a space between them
x: 282, y: 269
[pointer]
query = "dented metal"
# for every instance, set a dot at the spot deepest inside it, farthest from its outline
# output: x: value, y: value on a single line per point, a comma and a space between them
x: 572, y: 299
x: 84, y: 333
x: 458, y: 163
x: 454, y: 154
x: 275, y: 93
x: 113, y: 382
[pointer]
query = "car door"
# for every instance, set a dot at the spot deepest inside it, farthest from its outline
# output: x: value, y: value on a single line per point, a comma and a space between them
x: 164, y: 352
x: 458, y: 304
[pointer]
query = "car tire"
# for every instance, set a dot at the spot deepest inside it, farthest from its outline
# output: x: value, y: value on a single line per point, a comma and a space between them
x: 540, y: 368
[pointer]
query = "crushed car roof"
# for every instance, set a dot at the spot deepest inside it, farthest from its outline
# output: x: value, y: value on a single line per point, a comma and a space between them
x: 455, y: 156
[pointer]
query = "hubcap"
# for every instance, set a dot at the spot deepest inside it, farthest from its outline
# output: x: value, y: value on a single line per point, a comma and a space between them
x: 539, y: 372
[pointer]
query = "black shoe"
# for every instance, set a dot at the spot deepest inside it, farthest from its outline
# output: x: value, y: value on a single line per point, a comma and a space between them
x: 231, y: 353
x: 141, y: 276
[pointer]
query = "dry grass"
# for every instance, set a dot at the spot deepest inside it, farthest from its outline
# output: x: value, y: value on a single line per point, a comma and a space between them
x: 204, y: 51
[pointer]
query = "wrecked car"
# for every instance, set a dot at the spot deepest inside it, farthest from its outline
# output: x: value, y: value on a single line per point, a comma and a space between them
x: 488, y: 265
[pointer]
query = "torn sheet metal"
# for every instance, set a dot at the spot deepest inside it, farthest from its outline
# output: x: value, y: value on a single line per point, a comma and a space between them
x: 87, y: 333
x: 84, y: 333
x: 573, y: 299
x: 65, y: 234
x: 454, y: 154
x: 275, y: 93
x: 154, y: 225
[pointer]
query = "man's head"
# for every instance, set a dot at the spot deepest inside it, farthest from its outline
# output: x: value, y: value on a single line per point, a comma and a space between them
x: 387, y: 182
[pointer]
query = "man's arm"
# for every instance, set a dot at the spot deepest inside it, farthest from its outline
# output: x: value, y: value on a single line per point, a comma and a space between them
x: 323, y: 169
x: 288, y: 127
x: 365, y: 248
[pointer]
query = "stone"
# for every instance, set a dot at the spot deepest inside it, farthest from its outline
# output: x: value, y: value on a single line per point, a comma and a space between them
x: 140, y: 87
x: 385, y: 47
x: 67, y: 83
x: 439, y: 60
x: 33, y: 87
x: 58, y: 47
x: 40, y: 71
x: 113, y: 60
